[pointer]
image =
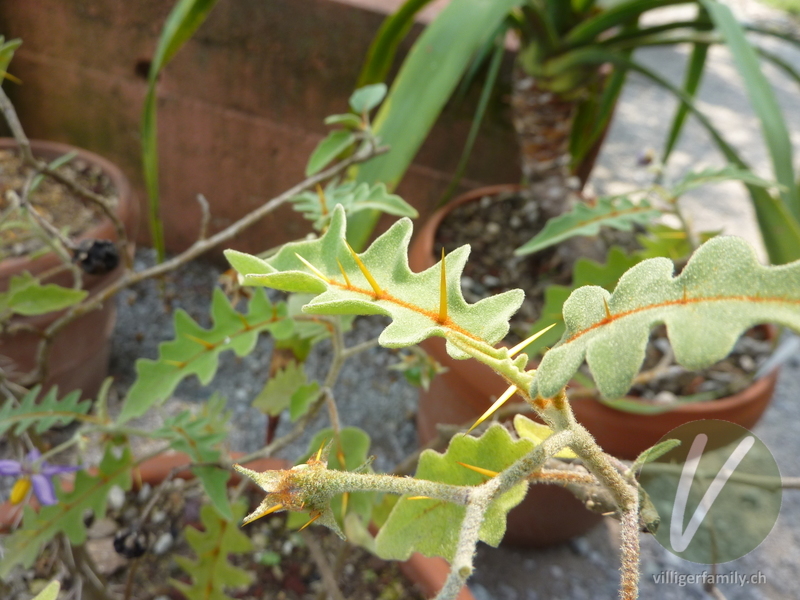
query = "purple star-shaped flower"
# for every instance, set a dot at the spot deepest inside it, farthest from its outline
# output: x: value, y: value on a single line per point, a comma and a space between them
x: 39, y: 476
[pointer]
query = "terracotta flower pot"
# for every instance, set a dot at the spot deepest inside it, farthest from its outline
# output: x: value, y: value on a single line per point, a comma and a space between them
x: 80, y: 352
x: 468, y: 388
x: 429, y: 574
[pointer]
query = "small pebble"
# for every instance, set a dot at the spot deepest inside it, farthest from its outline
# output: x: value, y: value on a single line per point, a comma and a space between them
x: 144, y: 493
x: 515, y: 222
x: 158, y: 516
x: 490, y: 281
x: 163, y: 543
x: 493, y: 228
x: 287, y: 547
x: 747, y: 363
x: 665, y: 397
x: 116, y: 498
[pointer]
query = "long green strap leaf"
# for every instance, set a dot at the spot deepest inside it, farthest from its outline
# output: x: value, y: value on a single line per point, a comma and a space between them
x: 427, y: 79
x: 691, y: 81
x: 183, y: 21
x: 780, y: 230
x: 762, y: 98
x: 383, y: 48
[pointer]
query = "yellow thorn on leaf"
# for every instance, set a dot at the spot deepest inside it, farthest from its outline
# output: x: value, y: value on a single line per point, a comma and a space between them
x: 419, y: 498
x: 257, y: 515
x: 608, y: 311
x: 364, y: 271
x: 480, y: 470
x: 314, y: 269
x: 528, y: 341
x: 344, y: 274
x: 319, y: 452
x: 345, y: 501
x: 176, y: 363
x: 498, y: 403
x: 197, y: 340
x: 443, y: 293
x: 313, y: 518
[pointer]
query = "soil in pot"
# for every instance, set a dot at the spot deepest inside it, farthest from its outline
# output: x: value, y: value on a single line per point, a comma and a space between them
x: 53, y: 201
x: 79, y: 355
x: 281, y: 562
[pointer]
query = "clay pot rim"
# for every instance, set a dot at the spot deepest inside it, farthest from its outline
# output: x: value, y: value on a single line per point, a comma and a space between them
x: 126, y: 206
x: 428, y: 573
x: 427, y: 235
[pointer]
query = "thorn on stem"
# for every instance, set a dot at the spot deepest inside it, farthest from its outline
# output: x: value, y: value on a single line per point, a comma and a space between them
x: 608, y: 311
x: 498, y: 403
x: 314, y: 517
x: 481, y: 470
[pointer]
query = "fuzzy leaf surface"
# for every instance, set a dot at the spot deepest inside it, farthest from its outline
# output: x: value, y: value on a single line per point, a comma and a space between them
x: 585, y: 272
x: 45, y: 413
x: 431, y: 526
x: 353, y: 197
x: 212, y: 571
x: 617, y: 212
x: 411, y: 299
x: 722, y: 291
x: 195, y: 350
x: 89, y: 493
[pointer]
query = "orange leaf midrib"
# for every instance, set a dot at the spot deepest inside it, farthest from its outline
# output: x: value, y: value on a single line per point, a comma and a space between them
x: 681, y: 302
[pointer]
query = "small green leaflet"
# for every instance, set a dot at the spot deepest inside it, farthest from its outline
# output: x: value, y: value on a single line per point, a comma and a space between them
x: 328, y: 149
x: 27, y: 296
x: 368, y: 97
x: 618, y: 212
x: 412, y: 300
x: 288, y: 388
x: 721, y: 292
x: 212, y: 572
x: 431, y: 526
x: 195, y: 351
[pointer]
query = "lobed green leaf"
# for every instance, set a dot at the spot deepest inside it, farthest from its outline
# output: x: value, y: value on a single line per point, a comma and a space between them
x: 354, y: 198
x: 617, y: 212
x: 412, y: 300
x: 430, y: 526
x: 328, y: 149
x: 44, y: 413
x: 211, y: 572
x: 195, y: 351
x: 722, y: 292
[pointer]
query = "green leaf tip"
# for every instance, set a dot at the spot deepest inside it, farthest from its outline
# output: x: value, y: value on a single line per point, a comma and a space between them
x: 383, y: 284
x: 722, y: 292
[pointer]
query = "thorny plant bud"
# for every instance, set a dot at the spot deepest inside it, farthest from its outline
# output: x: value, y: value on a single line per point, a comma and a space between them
x: 96, y: 257
x: 303, y: 487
